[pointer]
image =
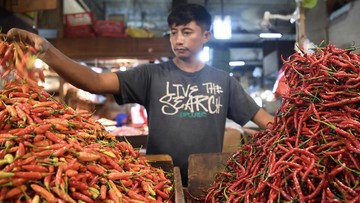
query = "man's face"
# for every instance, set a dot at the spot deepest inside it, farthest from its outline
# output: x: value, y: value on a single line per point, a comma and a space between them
x: 187, y: 40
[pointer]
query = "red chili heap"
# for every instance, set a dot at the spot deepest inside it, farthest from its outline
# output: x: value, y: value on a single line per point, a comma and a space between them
x: 312, y: 151
x: 50, y: 152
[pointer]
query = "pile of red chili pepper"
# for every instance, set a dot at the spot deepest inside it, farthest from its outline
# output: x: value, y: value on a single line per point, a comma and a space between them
x: 51, y: 152
x: 311, y: 153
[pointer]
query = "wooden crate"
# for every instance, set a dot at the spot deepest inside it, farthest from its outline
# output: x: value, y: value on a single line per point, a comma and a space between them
x: 165, y: 162
x: 202, y: 169
x: 137, y: 141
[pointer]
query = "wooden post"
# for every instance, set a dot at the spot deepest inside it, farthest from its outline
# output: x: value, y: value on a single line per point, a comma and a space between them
x: 301, y: 30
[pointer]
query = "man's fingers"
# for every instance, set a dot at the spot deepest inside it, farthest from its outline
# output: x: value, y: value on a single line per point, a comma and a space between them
x: 14, y: 34
x: 39, y: 43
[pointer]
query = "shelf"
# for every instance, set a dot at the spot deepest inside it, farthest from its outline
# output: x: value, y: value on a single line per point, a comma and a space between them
x: 30, y: 5
x: 89, y: 48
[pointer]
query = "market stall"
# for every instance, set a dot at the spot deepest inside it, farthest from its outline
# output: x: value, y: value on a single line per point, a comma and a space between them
x: 89, y: 149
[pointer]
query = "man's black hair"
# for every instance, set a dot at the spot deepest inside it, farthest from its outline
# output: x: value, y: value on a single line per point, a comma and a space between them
x: 185, y: 13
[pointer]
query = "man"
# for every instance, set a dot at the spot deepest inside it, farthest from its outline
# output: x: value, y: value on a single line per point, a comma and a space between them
x: 186, y: 100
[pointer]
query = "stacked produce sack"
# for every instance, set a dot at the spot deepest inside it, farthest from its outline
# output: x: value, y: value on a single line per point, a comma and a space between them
x: 51, y: 152
x: 311, y: 153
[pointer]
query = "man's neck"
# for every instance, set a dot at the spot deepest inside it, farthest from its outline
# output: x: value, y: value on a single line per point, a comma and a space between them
x: 190, y: 66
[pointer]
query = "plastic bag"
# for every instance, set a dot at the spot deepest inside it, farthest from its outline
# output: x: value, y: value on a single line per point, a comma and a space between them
x: 281, y: 88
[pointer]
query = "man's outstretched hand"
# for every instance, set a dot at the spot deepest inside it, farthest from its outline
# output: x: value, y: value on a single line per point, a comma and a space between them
x: 40, y: 44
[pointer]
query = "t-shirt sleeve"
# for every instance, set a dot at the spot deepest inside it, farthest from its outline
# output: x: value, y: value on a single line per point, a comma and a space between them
x: 134, y: 84
x: 241, y: 106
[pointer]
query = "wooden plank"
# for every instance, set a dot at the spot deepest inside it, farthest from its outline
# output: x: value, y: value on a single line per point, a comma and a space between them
x: 101, y: 47
x: 163, y: 161
x: 137, y: 141
x: 159, y: 157
x: 19, y: 6
x: 202, y: 169
x: 179, y: 191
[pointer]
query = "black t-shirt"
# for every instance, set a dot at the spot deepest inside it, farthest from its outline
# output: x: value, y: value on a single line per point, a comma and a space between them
x: 186, y: 111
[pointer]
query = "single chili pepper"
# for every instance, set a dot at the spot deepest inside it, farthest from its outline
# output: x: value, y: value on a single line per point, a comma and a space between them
x: 113, y: 164
x: 61, y: 151
x: 113, y: 196
x: 118, y: 193
x: 126, y: 182
x: 78, y: 185
x: 3, y: 114
x: 37, y: 119
x: 119, y: 175
x: 108, y: 152
x: 4, y: 174
x: 48, y: 196
x: 308, y: 170
x: 11, y: 111
x: 85, y: 135
x: 73, y: 164
x: 94, y: 180
x: 80, y: 196
x: 30, y: 175
x: 14, y: 182
x: 20, y: 151
x: 8, y: 55
x: 51, y: 136
x: 95, y: 169
x: 51, y: 104
x: 43, y: 153
x: 70, y: 172
x: 27, y: 160
x: 63, y: 195
x: 54, y: 146
x: 103, y: 190
x: 136, y: 196
x: 95, y: 193
x: 14, y: 192
x: 160, y: 185
x: 352, y: 158
x: 58, y: 176
x: 35, y: 168
x: 48, y: 178
x: 41, y: 129
x: 7, y: 136
x: 87, y: 156
x: 27, y: 130
x: 42, y: 143
x: 162, y: 194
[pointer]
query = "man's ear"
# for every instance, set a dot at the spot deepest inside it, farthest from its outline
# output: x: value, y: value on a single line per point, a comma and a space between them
x: 207, y: 36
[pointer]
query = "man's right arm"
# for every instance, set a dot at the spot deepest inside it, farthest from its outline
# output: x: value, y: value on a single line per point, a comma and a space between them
x: 73, y: 72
